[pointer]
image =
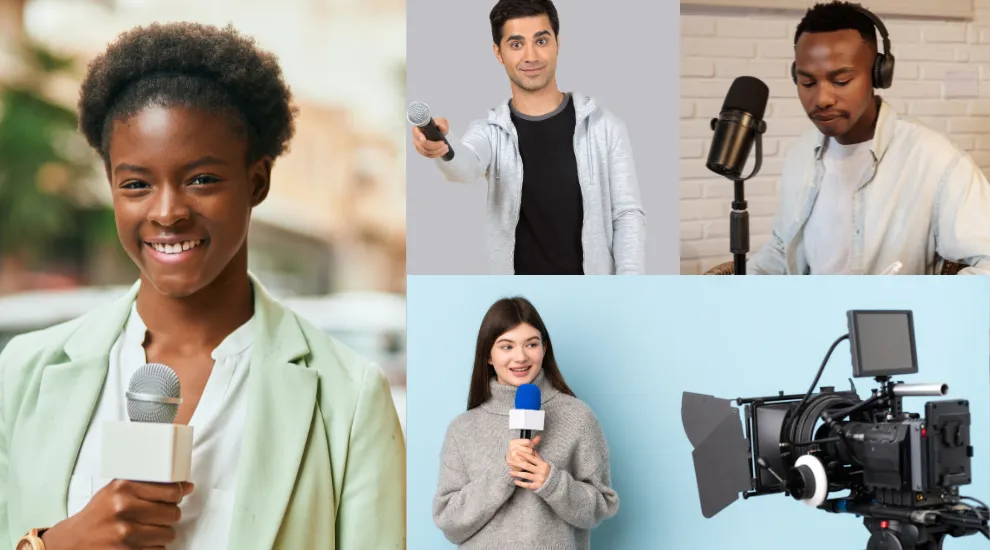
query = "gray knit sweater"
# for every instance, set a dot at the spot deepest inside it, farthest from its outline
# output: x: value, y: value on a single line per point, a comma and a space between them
x: 477, y: 505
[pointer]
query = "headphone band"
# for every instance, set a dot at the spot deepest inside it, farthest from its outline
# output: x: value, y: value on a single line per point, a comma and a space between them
x: 884, y: 36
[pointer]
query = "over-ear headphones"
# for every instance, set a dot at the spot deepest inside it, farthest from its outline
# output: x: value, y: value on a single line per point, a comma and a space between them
x: 883, y: 65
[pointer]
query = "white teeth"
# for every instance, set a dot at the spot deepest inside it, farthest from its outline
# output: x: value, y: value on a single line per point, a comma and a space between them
x: 175, y: 248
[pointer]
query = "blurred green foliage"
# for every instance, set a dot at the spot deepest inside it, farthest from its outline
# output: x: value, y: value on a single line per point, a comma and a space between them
x: 41, y: 171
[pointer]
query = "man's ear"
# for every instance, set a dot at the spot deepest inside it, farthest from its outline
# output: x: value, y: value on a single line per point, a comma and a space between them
x: 260, y: 177
x: 498, y: 53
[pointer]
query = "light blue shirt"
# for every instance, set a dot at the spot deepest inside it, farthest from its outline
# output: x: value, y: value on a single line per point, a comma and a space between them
x: 923, y: 201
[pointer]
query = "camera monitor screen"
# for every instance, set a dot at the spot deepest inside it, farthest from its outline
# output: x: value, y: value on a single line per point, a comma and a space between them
x: 882, y: 343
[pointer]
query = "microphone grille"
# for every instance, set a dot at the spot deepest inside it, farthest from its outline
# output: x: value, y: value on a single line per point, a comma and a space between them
x: 153, y: 394
x: 528, y: 397
x: 748, y: 94
x: 418, y: 113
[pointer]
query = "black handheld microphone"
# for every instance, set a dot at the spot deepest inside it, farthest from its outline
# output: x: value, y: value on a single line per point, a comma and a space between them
x: 418, y: 114
x: 738, y: 126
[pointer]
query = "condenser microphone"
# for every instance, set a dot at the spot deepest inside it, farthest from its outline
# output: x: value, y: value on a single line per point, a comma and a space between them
x: 737, y: 126
x: 526, y: 415
x: 149, y: 447
x: 418, y: 114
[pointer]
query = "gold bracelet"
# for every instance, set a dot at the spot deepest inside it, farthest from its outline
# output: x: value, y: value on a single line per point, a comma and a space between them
x: 31, y: 541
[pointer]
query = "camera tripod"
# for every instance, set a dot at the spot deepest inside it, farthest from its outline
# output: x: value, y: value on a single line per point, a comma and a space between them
x: 894, y: 528
x: 908, y: 536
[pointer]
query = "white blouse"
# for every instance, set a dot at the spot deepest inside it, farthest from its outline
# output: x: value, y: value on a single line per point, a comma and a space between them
x: 218, y: 426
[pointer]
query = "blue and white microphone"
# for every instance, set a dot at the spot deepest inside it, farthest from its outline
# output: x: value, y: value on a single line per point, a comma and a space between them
x: 526, y: 416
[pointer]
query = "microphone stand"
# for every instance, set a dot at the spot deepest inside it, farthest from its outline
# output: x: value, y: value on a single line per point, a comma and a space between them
x: 739, y: 218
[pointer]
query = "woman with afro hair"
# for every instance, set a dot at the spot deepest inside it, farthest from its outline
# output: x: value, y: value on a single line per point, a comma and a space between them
x: 296, y: 439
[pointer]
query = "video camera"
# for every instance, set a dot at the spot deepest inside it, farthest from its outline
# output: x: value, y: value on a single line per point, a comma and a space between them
x: 903, y: 471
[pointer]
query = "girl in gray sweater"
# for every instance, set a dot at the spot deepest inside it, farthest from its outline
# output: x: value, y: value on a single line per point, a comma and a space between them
x: 496, y: 491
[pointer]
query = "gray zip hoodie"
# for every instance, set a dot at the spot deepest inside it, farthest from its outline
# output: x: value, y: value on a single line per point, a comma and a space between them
x: 613, y: 236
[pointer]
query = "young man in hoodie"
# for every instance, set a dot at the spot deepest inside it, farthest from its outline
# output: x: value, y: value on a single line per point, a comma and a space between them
x: 563, y: 194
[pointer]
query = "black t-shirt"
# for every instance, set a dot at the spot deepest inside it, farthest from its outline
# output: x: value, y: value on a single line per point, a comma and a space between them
x: 548, y: 235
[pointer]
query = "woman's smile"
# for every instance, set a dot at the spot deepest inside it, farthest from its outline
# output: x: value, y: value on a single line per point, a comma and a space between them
x: 174, y: 250
x: 520, y: 372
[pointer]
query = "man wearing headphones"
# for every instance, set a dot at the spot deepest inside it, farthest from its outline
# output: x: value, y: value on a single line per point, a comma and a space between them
x: 868, y: 191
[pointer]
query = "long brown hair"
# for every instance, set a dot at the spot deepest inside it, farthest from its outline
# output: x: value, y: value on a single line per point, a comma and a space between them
x: 505, y: 315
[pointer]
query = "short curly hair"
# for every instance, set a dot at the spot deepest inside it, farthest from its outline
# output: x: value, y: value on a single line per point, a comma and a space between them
x: 837, y: 16
x: 189, y: 65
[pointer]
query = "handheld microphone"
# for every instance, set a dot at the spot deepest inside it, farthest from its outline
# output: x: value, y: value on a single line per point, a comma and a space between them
x: 149, y: 447
x: 418, y: 114
x: 526, y: 415
x: 738, y: 126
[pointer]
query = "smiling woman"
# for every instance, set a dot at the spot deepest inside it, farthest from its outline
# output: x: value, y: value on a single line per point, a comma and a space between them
x: 189, y: 120
x: 498, y: 492
x: 188, y: 132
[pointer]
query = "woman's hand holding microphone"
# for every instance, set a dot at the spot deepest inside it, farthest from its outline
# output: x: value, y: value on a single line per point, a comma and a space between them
x: 124, y: 514
x: 527, y: 464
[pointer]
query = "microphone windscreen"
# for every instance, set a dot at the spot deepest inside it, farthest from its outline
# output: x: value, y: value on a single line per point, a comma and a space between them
x: 528, y: 397
x: 748, y: 94
x: 153, y: 394
x: 418, y: 113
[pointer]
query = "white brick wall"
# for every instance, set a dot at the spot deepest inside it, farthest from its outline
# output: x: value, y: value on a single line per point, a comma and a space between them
x: 718, y: 45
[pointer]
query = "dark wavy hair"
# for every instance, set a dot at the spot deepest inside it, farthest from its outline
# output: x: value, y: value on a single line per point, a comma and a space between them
x: 503, y: 316
x: 189, y: 65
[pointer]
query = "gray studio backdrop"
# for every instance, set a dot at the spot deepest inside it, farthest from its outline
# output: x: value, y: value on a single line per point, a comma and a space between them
x: 624, y: 53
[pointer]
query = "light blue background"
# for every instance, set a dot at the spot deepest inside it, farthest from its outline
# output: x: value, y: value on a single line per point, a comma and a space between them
x: 630, y: 346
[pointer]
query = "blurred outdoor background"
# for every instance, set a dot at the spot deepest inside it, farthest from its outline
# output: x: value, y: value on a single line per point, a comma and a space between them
x: 330, y: 239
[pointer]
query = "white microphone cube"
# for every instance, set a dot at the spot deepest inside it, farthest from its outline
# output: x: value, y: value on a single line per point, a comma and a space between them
x: 144, y: 451
x: 526, y: 419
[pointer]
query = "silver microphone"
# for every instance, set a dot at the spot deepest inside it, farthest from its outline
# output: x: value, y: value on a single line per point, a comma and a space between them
x: 149, y: 446
x: 418, y: 114
x: 153, y: 395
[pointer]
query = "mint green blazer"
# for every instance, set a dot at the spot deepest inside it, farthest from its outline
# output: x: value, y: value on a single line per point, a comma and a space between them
x: 323, y: 459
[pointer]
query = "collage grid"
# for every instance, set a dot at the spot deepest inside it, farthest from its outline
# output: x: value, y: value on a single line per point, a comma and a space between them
x: 430, y: 274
